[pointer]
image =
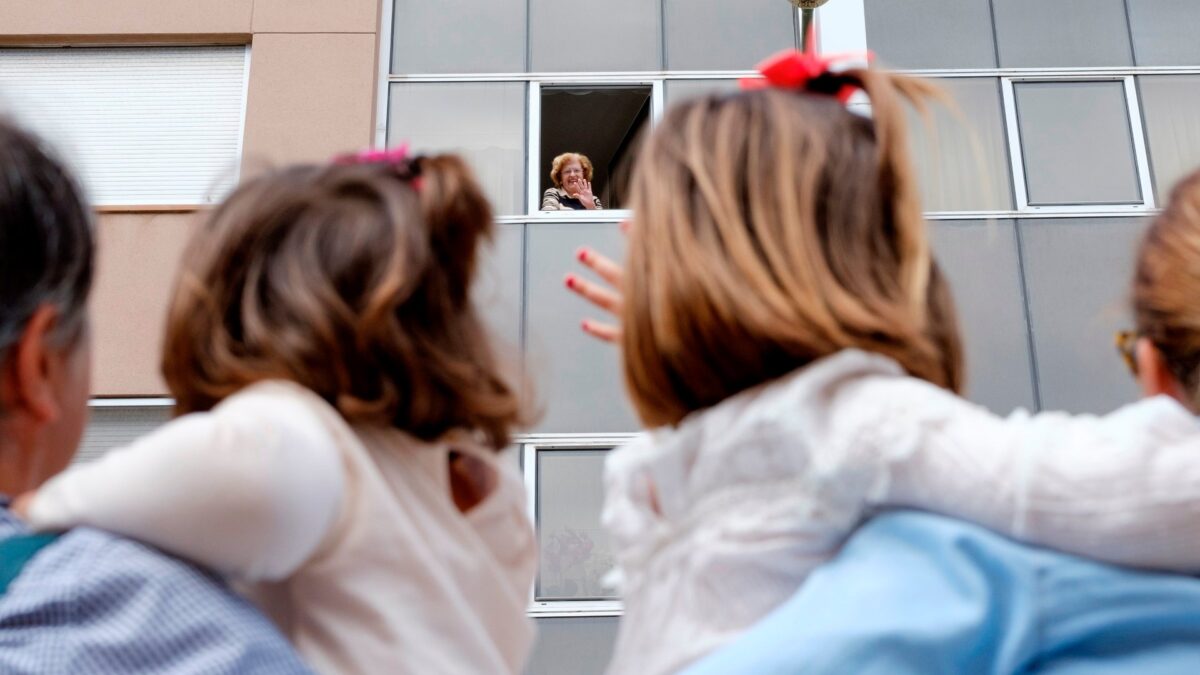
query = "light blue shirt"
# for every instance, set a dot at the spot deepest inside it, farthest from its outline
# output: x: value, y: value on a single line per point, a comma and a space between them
x: 91, y: 602
x: 917, y: 593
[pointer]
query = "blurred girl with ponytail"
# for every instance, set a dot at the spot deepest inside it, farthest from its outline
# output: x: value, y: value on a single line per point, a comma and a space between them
x: 790, y: 343
x: 341, y: 411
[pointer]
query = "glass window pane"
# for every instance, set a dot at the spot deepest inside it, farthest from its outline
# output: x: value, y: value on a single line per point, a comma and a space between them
x: 459, y: 36
x: 931, y: 33
x: 585, y: 35
x: 963, y: 163
x: 603, y: 123
x: 575, y: 552
x: 579, y: 385
x: 1060, y: 33
x: 979, y: 258
x: 1169, y: 105
x: 577, y: 645
x: 1077, y: 275
x: 1164, y: 32
x: 1077, y: 143
x: 485, y: 121
x: 681, y: 90
x: 498, y: 287
x: 723, y: 35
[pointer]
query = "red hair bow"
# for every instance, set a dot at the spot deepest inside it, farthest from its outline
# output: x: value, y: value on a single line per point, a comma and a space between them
x: 793, y: 69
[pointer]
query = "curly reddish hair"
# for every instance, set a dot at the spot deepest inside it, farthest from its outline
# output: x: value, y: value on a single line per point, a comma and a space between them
x: 556, y: 167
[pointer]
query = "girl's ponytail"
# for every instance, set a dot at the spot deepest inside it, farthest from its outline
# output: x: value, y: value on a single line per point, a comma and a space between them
x: 889, y: 93
x: 458, y: 217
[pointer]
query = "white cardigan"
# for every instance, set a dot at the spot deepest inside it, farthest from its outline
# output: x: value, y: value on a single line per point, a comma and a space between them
x: 349, y: 535
x: 720, y: 519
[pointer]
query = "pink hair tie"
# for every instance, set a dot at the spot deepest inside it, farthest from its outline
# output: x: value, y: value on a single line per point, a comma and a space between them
x: 396, y: 155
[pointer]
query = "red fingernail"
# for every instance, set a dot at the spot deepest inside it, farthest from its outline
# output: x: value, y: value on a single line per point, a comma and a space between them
x: 585, y: 325
x: 571, y: 281
x: 582, y: 254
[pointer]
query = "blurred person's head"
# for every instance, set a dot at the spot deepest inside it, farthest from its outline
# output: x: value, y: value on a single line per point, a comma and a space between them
x: 569, y: 170
x: 772, y: 228
x: 46, y: 259
x: 353, y: 280
x: 1166, y: 299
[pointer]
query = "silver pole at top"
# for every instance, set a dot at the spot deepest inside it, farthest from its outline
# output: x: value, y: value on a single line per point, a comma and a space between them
x: 807, y: 8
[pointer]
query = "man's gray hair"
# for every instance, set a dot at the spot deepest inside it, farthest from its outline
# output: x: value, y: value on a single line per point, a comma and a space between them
x: 46, y: 240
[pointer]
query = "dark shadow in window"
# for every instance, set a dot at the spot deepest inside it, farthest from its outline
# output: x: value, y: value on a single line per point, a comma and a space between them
x: 602, y: 122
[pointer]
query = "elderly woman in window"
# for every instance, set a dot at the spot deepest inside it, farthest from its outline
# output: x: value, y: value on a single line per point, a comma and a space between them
x: 571, y: 173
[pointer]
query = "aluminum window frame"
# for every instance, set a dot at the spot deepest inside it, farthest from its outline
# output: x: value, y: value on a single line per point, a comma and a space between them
x: 530, y: 445
x: 1134, y: 119
x: 533, y: 140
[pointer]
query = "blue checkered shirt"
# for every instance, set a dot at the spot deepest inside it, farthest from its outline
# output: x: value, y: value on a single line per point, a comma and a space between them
x: 91, y: 602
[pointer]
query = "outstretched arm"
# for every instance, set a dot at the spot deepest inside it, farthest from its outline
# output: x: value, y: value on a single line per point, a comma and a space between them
x: 249, y: 489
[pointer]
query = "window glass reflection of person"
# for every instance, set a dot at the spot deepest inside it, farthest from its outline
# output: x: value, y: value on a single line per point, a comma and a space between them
x: 571, y: 173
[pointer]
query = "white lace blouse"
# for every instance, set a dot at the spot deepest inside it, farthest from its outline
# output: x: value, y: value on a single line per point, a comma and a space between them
x: 720, y: 519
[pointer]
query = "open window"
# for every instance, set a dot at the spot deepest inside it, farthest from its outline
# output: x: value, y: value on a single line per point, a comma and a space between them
x: 600, y: 121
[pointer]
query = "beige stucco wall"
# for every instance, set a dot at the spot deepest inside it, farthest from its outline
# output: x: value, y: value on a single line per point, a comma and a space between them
x: 311, y: 94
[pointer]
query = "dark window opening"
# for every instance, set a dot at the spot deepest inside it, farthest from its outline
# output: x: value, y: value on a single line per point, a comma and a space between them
x: 600, y: 122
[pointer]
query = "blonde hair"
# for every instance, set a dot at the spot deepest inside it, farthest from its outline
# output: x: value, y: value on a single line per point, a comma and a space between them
x: 556, y: 167
x: 350, y: 281
x: 772, y: 228
x: 1166, y: 285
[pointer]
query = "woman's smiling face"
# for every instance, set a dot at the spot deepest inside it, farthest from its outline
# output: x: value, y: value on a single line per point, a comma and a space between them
x: 572, y: 176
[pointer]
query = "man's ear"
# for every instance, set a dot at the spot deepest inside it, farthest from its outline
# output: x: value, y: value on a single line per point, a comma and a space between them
x: 1154, y: 375
x: 26, y: 381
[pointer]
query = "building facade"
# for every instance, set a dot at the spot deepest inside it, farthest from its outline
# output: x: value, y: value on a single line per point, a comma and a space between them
x: 1073, y: 119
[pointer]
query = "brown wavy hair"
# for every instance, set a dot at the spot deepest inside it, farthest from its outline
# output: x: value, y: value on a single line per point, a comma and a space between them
x: 350, y: 281
x: 772, y: 228
x: 556, y: 167
x: 1166, y: 285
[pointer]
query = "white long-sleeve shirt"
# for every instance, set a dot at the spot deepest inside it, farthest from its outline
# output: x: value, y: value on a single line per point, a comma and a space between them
x: 350, y: 535
x: 720, y: 519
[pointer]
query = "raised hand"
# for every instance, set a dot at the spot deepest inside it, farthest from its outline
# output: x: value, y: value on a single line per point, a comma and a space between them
x: 606, y: 297
x: 585, y: 194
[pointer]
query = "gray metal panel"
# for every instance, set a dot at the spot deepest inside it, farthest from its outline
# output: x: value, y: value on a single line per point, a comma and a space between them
x: 980, y: 261
x: 574, y: 550
x: 963, y: 164
x: 485, y: 121
x: 458, y: 36
x: 931, y: 33
x: 575, y: 645
x: 497, y: 290
x: 723, y: 35
x: 1077, y: 143
x: 1169, y: 105
x: 1164, y: 32
x: 1077, y: 274
x: 110, y: 428
x: 1062, y: 33
x: 578, y: 35
x: 578, y: 379
x: 682, y: 90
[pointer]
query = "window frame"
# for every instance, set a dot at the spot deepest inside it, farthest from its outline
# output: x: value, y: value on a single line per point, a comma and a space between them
x: 529, y: 447
x: 533, y: 139
x: 1133, y: 116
